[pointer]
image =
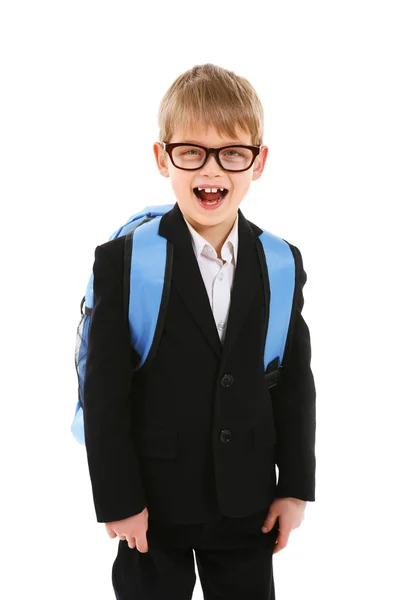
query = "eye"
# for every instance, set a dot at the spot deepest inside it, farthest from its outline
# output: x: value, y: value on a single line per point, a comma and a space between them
x: 189, y: 151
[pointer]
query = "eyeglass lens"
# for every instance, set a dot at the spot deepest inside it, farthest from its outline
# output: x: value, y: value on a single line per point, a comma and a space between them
x: 192, y: 157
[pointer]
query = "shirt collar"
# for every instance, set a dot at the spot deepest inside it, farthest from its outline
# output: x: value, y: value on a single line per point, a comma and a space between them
x: 199, y: 243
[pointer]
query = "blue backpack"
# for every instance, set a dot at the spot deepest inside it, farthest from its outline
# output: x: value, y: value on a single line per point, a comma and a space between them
x: 145, y: 273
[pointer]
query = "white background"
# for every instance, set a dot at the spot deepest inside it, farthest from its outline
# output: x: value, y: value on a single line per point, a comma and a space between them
x: 80, y: 87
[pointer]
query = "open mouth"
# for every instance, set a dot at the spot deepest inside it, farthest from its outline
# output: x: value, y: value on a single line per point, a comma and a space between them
x: 210, y: 197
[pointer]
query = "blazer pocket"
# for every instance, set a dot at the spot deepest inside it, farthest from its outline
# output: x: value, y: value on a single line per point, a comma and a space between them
x: 156, y: 443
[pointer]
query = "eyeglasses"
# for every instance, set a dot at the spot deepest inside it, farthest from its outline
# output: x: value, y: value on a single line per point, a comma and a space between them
x: 190, y: 157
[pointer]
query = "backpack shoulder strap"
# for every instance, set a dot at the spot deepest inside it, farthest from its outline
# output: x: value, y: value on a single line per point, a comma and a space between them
x: 147, y: 280
x: 127, y: 262
x: 281, y: 274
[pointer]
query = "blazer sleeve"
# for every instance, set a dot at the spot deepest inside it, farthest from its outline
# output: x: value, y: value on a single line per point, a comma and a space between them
x: 113, y: 464
x: 294, y: 404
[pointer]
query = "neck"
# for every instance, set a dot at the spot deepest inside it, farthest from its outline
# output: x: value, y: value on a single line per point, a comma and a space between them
x: 214, y: 234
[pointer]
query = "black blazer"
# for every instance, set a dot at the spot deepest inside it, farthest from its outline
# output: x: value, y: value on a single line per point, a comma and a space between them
x: 196, y: 432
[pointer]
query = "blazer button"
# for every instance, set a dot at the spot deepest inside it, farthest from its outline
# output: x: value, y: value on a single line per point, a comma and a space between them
x: 225, y: 436
x: 227, y: 380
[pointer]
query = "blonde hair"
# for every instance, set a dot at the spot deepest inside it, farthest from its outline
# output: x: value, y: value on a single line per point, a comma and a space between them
x: 212, y: 96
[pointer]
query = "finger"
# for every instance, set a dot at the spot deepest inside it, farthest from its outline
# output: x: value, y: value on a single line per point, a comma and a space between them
x: 141, y: 544
x: 269, y: 522
x: 111, y: 532
x: 131, y: 542
x: 281, y: 541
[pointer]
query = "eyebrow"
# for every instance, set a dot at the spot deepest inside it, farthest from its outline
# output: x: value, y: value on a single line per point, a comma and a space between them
x: 226, y: 144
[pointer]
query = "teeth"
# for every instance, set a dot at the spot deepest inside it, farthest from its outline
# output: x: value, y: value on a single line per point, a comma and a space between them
x: 213, y: 190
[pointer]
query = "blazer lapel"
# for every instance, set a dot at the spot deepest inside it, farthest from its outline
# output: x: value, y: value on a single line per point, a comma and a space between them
x: 245, y: 283
x: 187, y: 278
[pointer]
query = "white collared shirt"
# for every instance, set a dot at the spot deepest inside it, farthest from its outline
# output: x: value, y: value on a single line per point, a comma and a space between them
x: 217, y: 276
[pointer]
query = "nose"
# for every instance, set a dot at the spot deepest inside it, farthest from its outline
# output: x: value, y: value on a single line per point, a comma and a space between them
x: 214, y: 164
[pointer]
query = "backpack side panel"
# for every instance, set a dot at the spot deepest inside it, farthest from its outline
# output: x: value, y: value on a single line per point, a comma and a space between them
x: 80, y: 365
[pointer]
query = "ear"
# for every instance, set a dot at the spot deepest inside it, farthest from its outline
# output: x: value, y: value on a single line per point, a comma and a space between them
x: 259, y: 163
x: 161, y: 158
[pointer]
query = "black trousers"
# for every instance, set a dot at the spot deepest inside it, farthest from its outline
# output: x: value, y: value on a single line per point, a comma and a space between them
x: 233, y: 556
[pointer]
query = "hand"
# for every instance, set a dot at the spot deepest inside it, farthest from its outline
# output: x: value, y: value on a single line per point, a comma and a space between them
x: 133, y: 530
x: 291, y: 514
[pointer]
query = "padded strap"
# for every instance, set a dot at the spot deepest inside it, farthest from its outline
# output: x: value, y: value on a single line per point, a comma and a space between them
x: 281, y: 274
x: 147, y: 277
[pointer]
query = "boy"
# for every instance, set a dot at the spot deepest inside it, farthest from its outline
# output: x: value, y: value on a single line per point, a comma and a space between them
x: 182, y: 454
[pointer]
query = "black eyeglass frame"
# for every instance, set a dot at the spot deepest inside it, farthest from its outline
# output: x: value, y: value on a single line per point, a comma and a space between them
x: 168, y: 147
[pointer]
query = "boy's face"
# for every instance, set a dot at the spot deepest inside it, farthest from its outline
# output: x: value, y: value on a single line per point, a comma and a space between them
x: 209, y: 175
